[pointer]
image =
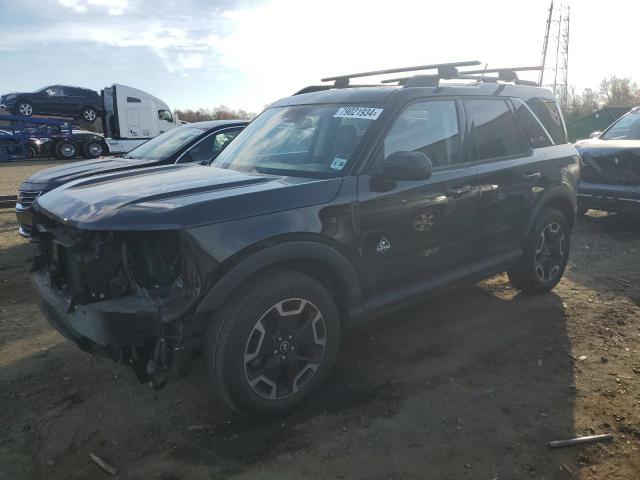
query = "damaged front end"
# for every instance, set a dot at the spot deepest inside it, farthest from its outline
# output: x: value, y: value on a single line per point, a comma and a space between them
x: 129, y: 296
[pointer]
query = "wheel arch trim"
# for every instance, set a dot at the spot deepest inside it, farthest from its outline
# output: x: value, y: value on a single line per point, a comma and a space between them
x: 560, y: 195
x: 271, y: 256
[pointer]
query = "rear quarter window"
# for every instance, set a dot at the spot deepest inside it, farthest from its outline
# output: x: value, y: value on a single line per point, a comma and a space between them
x: 535, y: 132
x: 550, y: 116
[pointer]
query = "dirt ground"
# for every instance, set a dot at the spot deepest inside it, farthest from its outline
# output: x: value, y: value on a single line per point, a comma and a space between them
x: 471, y: 386
x: 13, y: 173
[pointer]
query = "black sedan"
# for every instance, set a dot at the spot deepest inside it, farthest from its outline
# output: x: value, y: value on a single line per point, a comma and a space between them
x: 611, y: 167
x: 198, y: 142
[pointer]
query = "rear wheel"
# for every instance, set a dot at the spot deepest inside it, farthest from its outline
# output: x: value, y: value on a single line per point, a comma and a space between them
x: 545, y: 255
x: 273, y: 344
x: 93, y: 149
x: 89, y: 114
x: 24, y: 108
x: 65, y: 150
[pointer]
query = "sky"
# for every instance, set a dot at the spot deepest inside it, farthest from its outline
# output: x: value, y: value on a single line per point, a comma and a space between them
x: 248, y: 53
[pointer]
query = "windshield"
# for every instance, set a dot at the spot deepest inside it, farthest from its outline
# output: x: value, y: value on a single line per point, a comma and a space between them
x: 165, y: 145
x: 627, y: 128
x: 303, y: 141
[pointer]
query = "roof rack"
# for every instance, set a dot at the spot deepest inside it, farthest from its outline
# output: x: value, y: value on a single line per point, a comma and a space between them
x: 445, y: 70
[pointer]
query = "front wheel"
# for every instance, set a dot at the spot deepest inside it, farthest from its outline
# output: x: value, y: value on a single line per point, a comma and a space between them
x: 545, y: 255
x: 272, y: 344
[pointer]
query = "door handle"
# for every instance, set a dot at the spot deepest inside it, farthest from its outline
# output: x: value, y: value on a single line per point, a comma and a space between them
x: 458, y: 192
x: 532, y: 176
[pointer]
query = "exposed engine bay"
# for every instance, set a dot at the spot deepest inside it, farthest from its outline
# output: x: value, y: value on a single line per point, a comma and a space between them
x: 129, y: 296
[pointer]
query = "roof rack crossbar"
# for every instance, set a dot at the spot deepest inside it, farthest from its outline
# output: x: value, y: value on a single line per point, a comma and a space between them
x: 403, y: 80
x: 508, y: 74
x: 343, y: 80
x: 498, y: 70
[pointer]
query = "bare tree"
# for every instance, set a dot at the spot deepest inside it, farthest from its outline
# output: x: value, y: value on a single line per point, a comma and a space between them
x: 221, y: 112
x: 619, y: 92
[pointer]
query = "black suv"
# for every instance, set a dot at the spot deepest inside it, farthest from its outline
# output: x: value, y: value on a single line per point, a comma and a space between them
x: 77, y: 102
x: 331, y: 207
x: 611, y: 167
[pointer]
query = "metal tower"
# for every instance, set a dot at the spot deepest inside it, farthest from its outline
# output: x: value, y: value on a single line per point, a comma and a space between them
x: 558, y: 18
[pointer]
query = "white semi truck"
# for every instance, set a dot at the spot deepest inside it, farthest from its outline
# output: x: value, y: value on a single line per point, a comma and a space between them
x: 131, y: 117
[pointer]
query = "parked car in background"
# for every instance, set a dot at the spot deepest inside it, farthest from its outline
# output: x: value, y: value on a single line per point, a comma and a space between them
x: 81, y: 143
x: 610, y: 178
x: 197, y: 142
x: 81, y: 103
x: 330, y: 208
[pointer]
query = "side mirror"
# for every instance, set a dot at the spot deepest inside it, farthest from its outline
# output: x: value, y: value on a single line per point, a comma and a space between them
x: 407, y: 166
x: 595, y: 134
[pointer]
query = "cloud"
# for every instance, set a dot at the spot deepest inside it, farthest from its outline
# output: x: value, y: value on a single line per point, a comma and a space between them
x: 113, y: 7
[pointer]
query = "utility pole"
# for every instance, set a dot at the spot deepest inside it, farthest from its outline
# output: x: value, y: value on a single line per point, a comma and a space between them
x: 555, y: 70
x: 564, y: 95
x: 560, y: 85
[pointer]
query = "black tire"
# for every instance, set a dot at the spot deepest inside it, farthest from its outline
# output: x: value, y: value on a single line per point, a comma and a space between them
x: 65, y: 150
x: 545, y: 255
x: 29, y: 152
x: 93, y: 149
x: 23, y: 108
x: 243, y: 353
x: 88, y: 114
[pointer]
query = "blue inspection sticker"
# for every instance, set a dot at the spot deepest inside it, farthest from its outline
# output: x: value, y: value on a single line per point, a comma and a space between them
x: 338, y: 163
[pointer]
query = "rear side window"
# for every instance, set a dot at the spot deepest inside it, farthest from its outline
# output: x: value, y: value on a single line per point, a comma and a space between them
x: 551, y: 118
x: 427, y: 127
x: 538, y: 138
x: 494, y: 128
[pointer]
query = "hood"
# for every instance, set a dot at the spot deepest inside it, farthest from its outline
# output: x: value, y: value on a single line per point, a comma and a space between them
x: 51, y: 178
x: 610, y: 162
x: 178, y: 196
x: 598, y: 147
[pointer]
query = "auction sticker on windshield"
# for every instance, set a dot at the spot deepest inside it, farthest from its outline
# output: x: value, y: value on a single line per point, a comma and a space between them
x: 358, y: 112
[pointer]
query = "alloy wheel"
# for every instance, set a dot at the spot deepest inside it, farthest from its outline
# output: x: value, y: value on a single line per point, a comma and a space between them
x: 89, y: 115
x: 550, y: 252
x: 25, y: 109
x: 68, y: 150
x: 285, y: 348
x: 95, y: 149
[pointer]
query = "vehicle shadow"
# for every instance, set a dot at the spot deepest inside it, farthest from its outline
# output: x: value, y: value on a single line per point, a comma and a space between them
x: 474, y: 383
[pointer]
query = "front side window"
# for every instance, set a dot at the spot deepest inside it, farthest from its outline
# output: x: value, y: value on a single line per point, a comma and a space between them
x: 165, y: 115
x: 315, y: 141
x: 626, y: 128
x: 494, y: 128
x: 428, y: 127
x: 209, y: 148
x: 165, y: 145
